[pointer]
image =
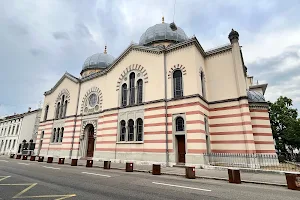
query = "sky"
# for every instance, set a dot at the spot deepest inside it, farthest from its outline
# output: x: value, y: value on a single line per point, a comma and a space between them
x: 42, y: 39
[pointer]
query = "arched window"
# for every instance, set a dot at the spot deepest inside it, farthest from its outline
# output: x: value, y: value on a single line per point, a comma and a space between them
x: 53, y: 135
x: 203, y: 84
x: 61, y: 135
x: 65, y: 108
x: 42, y: 135
x: 177, y: 83
x: 122, y: 130
x: 57, y: 110
x: 179, y: 124
x: 140, y: 91
x: 46, y: 112
x: 57, y: 135
x: 130, y: 130
x: 132, y: 88
x: 139, y: 129
x: 124, y: 94
x: 61, y: 112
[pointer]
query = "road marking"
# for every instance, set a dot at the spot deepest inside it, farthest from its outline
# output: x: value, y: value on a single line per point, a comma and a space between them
x: 179, y: 186
x: 3, y: 177
x: 51, y: 167
x: 23, y: 163
x: 95, y: 174
x: 3, y: 161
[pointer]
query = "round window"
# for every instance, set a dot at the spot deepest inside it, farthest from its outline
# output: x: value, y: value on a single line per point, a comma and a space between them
x: 93, y: 100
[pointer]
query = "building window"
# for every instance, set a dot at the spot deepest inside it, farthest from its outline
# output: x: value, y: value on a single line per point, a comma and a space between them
x: 179, y: 124
x: 57, y: 110
x: 202, y: 85
x: 42, y: 135
x: 61, y: 135
x: 9, y: 130
x: 57, y: 135
x: 9, y: 144
x: 132, y: 88
x: 53, y: 135
x: 122, y: 130
x: 46, y: 112
x: 177, y: 83
x: 130, y: 130
x: 17, y: 129
x: 207, y: 135
x: 139, y: 91
x: 139, y: 129
x: 124, y: 94
x: 65, y: 108
x: 61, y: 112
x: 14, y: 143
x: 13, y: 130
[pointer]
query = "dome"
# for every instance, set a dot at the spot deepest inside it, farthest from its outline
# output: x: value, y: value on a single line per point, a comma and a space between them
x: 254, y: 96
x: 98, y: 61
x: 162, y: 32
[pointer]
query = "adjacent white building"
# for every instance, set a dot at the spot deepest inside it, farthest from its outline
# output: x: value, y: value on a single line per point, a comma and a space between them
x: 16, y: 128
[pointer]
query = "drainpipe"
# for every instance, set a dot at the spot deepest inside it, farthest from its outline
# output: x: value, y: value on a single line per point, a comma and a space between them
x: 78, y: 96
x: 166, y: 110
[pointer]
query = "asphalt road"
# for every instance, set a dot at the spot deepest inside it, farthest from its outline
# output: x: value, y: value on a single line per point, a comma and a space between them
x: 33, y: 180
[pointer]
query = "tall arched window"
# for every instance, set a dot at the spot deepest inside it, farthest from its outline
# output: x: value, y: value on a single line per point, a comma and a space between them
x: 203, y: 84
x: 65, y: 108
x: 61, y: 112
x: 179, y: 124
x: 42, y: 135
x: 177, y: 83
x: 140, y: 91
x: 57, y: 110
x: 46, y: 112
x: 57, y: 135
x: 132, y: 88
x: 122, y: 130
x: 130, y: 130
x: 139, y: 129
x: 61, y: 134
x: 53, y: 135
x: 124, y: 94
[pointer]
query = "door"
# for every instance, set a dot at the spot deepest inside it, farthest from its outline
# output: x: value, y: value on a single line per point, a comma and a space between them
x: 91, y: 143
x: 181, y: 148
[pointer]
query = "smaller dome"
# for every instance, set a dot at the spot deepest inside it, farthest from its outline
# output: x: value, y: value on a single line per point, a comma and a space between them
x: 98, y: 61
x: 162, y: 32
x: 254, y: 96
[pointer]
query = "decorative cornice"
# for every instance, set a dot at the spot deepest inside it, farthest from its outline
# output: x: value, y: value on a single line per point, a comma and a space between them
x: 259, y: 105
x: 218, y: 50
x: 229, y: 100
x: 66, y: 75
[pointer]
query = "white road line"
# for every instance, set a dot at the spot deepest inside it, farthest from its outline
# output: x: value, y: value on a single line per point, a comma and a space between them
x: 95, y: 174
x: 3, y: 161
x: 23, y: 163
x: 50, y: 167
x: 179, y: 186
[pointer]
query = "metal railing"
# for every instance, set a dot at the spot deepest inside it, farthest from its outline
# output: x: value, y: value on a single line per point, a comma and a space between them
x: 274, y: 162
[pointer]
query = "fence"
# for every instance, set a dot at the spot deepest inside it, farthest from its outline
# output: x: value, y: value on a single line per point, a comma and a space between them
x: 280, y: 162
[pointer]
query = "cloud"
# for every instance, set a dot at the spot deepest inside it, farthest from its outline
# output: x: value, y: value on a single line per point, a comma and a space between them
x: 61, y: 35
x: 40, y: 40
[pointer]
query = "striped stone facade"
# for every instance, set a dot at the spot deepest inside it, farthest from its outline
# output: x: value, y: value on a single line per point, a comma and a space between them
x: 216, y: 109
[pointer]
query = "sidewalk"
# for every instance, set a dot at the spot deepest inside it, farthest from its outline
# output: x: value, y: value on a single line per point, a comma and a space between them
x: 218, y: 174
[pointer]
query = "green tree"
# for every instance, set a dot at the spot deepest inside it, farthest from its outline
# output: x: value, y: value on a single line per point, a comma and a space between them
x: 285, y: 124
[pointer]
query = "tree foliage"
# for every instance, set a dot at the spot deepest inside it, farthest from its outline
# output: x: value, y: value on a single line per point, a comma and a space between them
x: 285, y: 124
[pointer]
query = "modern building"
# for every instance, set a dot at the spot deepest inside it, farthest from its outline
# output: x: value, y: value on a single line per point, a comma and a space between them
x: 163, y: 100
x: 16, y: 128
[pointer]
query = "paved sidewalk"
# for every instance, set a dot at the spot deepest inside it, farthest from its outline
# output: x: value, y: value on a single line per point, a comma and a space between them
x: 219, y: 174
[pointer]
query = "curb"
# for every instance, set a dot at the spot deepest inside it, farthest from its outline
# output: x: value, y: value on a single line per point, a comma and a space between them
x: 199, y: 177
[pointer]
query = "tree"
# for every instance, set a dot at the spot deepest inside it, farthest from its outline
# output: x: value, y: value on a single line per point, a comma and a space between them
x: 285, y: 124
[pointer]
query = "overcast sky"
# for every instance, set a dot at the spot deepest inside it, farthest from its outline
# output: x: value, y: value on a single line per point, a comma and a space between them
x: 40, y: 40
